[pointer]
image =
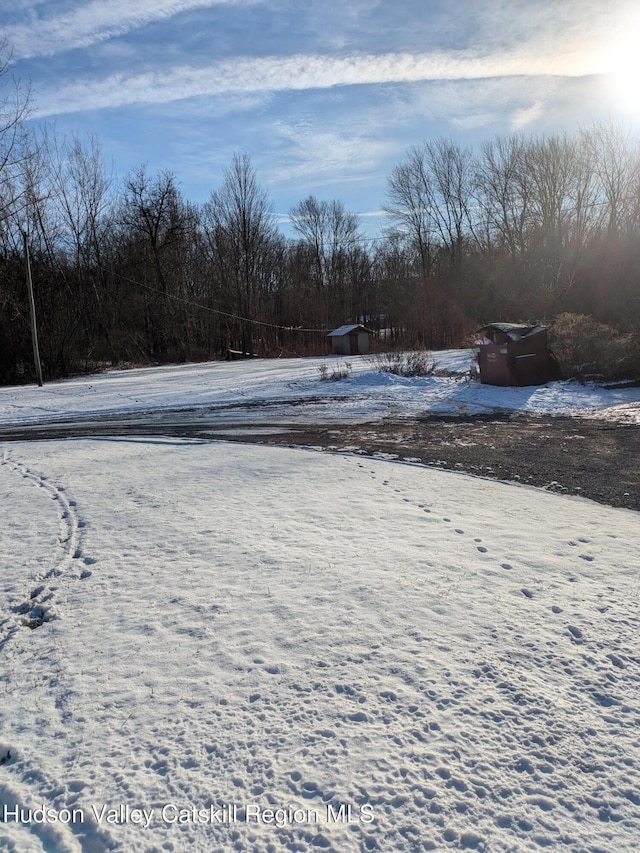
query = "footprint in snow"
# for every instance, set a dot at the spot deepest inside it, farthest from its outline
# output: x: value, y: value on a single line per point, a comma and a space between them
x: 482, y: 549
x: 576, y: 634
x: 358, y: 717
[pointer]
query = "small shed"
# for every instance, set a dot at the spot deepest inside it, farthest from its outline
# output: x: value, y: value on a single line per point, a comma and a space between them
x: 350, y: 340
x: 513, y: 354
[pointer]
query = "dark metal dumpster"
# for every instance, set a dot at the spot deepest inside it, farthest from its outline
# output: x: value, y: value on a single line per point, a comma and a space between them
x: 513, y: 354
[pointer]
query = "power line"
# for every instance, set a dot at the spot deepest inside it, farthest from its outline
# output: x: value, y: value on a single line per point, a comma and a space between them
x: 186, y: 301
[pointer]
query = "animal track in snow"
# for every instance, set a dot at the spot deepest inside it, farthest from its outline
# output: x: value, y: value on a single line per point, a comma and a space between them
x: 480, y: 548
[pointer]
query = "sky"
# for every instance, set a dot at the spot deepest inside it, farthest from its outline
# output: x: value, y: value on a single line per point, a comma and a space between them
x: 325, y: 96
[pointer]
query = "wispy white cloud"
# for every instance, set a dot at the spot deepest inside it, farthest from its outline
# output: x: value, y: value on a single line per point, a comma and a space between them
x: 488, y: 104
x: 299, y: 72
x: 94, y: 22
x: 337, y: 155
x: 527, y: 116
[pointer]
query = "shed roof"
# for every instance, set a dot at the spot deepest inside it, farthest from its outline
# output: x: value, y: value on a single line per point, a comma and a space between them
x: 347, y: 330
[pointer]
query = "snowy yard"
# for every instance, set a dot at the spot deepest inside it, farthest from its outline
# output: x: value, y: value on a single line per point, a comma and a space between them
x: 224, y: 647
x: 243, y: 390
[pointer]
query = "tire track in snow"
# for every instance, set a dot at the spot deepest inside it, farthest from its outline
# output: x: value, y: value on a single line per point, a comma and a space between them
x: 23, y: 784
x: 38, y: 605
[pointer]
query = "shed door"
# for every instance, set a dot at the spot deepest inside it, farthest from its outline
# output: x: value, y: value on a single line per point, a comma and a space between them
x: 353, y: 344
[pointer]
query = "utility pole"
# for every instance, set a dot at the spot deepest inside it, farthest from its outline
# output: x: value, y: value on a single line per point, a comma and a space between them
x: 32, y: 309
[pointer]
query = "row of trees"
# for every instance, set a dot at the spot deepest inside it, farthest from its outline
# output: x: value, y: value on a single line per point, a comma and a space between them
x: 537, y: 225
x: 131, y: 271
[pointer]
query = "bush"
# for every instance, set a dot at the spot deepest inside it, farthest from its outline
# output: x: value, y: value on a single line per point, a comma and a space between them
x: 405, y: 363
x: 584, y: 349
x: 340, y: 371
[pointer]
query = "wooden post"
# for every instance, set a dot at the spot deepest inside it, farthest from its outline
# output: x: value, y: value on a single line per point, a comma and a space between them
x: 32, y: 310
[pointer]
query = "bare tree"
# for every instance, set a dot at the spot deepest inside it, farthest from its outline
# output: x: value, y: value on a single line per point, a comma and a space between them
x: 450, y: 177
x: 409, y: 201
x: 81, y: 185
x: 14, y: 329
x: 330, y: 231
x: 504, y: 192
x: 240, y: 229
x: 549, y: 163
x: 430, y: 198
x: 616, y: 164
x: 332, y: 237
x: 153, y: 219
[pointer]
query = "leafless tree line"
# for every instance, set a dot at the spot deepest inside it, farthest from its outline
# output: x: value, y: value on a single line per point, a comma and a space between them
x: 526, y: 227
x: 131, y: 271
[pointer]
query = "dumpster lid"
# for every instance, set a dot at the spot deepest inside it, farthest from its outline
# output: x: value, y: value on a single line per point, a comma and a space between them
x: 515, y: 331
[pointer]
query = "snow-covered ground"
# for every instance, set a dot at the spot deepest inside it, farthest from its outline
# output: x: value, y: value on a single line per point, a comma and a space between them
x: 234, y: 391
x: 223, y: 647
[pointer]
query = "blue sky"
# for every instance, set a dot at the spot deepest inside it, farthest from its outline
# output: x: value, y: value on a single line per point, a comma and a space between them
x: 325, y: 96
